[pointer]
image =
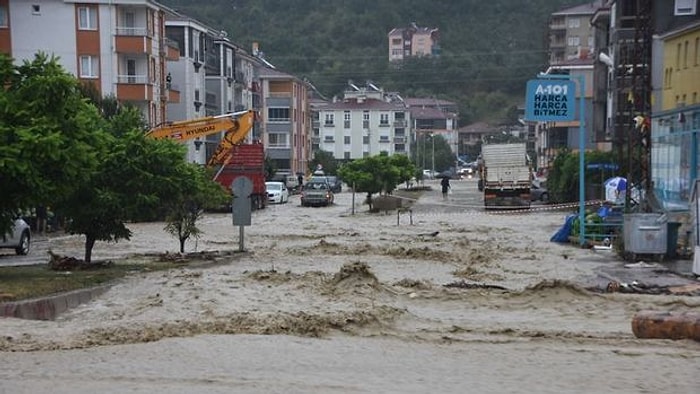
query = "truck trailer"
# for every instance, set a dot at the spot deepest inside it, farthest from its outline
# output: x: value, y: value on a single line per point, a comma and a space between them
x: 505, y: 176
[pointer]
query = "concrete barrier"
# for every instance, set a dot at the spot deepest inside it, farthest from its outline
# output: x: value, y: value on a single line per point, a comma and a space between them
x: 47, y: 308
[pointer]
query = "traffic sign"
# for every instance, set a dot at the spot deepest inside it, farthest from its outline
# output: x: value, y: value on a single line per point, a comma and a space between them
x: 549, y: 100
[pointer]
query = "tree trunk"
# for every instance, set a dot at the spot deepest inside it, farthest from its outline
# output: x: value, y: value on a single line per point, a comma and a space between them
x: 182, y: 244
x: 89, y: 244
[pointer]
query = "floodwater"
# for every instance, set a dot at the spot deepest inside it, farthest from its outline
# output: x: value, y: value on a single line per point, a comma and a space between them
x: 326, y: 301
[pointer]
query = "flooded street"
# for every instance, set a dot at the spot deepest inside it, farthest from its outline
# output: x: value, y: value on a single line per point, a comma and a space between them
x: 327, y: 301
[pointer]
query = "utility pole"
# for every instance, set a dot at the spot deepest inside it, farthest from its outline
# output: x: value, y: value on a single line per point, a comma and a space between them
x: 432, y: 155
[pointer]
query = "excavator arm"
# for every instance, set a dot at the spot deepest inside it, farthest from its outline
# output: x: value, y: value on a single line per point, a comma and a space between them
x: 237, y: 124
x: 234, y: 135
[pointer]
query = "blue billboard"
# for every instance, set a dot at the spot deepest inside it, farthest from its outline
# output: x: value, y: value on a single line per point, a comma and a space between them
x: 549, y: 100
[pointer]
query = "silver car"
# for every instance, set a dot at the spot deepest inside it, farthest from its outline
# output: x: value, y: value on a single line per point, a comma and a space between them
x: 19, y: 239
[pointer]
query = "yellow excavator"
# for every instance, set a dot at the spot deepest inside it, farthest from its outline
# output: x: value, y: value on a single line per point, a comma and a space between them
x: 233, y: 158
x: 236, y: 126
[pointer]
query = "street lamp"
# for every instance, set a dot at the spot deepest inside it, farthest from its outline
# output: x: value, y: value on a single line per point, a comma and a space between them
x: 432, y: 155
x: 424, y: 143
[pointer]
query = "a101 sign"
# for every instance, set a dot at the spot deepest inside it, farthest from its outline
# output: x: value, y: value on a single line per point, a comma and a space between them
x: 549, y: 100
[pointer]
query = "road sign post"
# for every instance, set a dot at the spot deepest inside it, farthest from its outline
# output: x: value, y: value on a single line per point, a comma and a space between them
x: 550, y: 98
x: 241, y: 188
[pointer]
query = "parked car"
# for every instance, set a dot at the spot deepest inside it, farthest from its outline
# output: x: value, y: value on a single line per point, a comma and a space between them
x: 429, y: 174
x: 19, y: 238
x: 335, y: 182
x: 538, y: 191
x: 316, y: 193
x: 277, y: 192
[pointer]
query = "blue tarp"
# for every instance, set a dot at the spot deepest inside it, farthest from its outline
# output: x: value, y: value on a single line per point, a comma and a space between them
x: 562, y: 236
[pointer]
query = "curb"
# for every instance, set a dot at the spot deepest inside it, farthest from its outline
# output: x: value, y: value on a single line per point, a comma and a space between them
x: 48, y: 308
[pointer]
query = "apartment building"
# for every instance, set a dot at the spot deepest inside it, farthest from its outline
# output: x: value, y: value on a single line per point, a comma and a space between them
x: 285, y: 119
x: 118, y: 46
x: 365, y: 122
x: 413, y: 41
x: 570, y: 34
x: 675, y: 124
x: 431, y: 116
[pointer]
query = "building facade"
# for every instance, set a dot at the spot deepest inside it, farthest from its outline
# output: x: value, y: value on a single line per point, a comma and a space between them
x: 432, y: 116
x: 285, y: 117
x: 413, y: 41
x: 675, y: 127
x: 365, y: 122
x: 119, y: 46
x: 571, y: 35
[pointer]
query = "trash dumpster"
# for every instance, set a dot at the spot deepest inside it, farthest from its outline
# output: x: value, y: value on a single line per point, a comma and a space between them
x: 645, y: 233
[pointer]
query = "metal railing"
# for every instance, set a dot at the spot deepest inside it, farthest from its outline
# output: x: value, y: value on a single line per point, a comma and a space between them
x: 132, y: 79
x: 132, y: 31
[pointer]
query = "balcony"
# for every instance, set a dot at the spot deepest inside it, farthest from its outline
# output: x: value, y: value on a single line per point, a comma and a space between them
x: 170, y: 94
x: 384, y: 124
x: 134, y: 88
x: 399, y: 140
x: 172, y: 50
x: 400, y: 123
x: 133, y: 40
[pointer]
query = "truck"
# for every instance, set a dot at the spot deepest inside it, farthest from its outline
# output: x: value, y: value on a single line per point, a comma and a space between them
x: 505, y: 176
x: 232, y: 158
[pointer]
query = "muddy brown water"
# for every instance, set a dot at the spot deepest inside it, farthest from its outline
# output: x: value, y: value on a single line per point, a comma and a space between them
x: 325, y: 301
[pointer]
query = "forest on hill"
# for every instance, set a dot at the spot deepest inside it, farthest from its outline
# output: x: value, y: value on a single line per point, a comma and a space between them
x: 489, y: 49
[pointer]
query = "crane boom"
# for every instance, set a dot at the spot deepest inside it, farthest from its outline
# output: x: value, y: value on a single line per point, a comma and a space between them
x: 238, y: 124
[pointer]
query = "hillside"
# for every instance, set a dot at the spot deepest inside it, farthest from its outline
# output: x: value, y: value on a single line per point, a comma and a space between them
x: 489, y: 49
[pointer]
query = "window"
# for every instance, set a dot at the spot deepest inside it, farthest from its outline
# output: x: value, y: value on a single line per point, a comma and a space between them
x: 591, y: 42
x: 329, y: 120
x: 383, y: 138
x: 36, y: 9
x: 346, y: 155
x: 697, y: 48
x: 399, y: 148
x: 685, y: 7
x: 685, y: 55
x: 383, y: 119
x: 574, y: 41
x: 89, y: 67
x: 3, y: 16
x: 365, y: 140
x: 87, y: 18
x: 574, y: 23
x: 346, y: 140
x: 278, y: 114
x: 328, y: 138
x: 678, y: 57
x: 346, y: 119
x: 278, y: 140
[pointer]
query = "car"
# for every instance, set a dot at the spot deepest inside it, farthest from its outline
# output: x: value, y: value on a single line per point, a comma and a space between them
x: 538, y: 191
x: 429, y: 174
x: 19, y: 239
x: 277, y: 192
x: 316, y: 193
x: 335, y: 182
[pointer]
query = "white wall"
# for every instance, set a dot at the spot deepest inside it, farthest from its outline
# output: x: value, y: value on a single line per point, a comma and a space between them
x: 30, y: 32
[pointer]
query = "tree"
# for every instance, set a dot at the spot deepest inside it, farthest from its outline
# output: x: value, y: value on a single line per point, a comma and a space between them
x: 49, y: 135
x: 431, y: 147
x: 136, y: 174
x: 325, y: 160
x: 197, y: 193
x: 377, y: 174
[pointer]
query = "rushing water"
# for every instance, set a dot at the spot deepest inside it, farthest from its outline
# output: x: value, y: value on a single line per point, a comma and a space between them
x: 325, y: 301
